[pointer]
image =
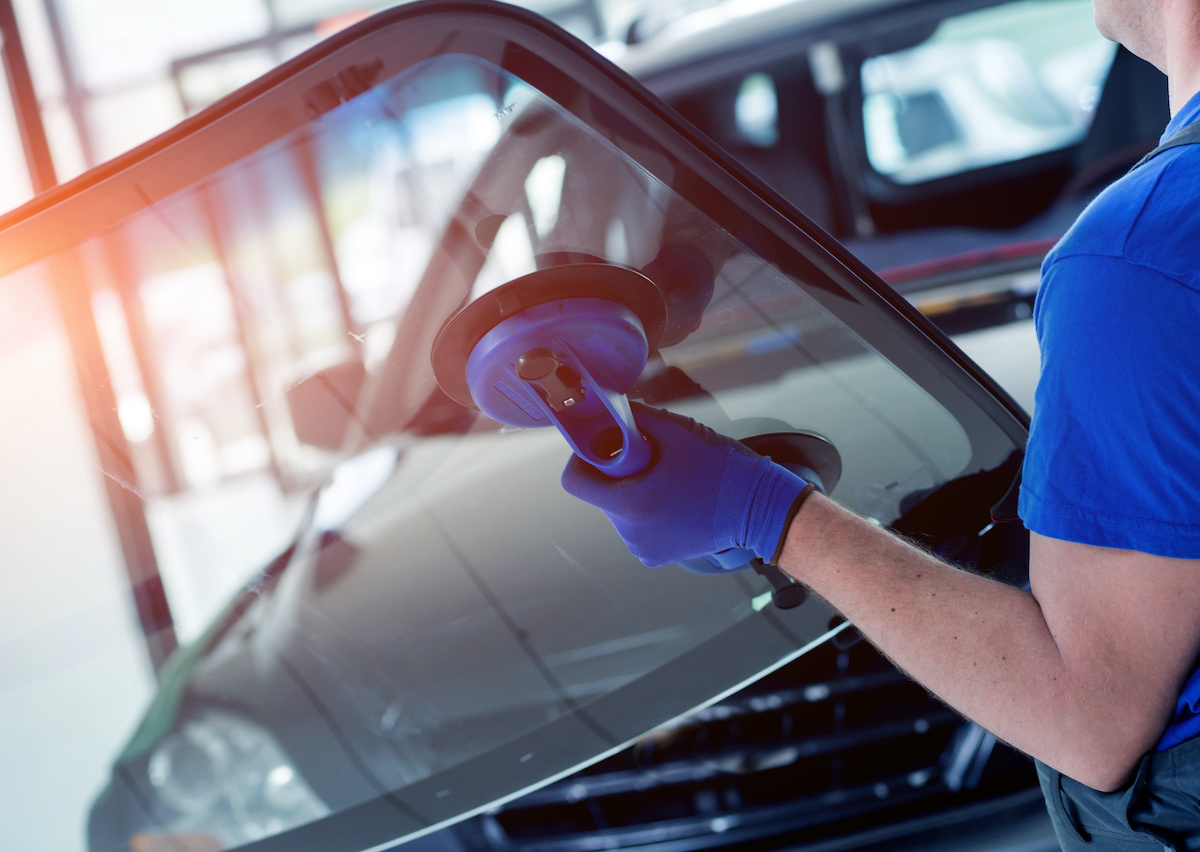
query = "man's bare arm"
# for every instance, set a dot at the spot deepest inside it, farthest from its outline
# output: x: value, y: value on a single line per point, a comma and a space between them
x: 1082, y: 673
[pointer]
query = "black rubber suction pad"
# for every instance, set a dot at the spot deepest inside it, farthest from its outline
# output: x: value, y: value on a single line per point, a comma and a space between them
x: 618, y: 284
x: 801, y: 450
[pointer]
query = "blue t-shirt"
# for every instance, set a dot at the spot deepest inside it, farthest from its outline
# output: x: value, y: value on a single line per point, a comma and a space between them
x: 1113, y: 458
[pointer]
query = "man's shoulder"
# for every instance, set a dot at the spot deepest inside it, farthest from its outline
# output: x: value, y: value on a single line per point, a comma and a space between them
x: 1166, y: 233
x: 1150, y: 218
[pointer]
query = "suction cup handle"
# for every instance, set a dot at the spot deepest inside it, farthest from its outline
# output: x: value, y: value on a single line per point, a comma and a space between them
x: 560, y: 385
x: 606, y: 437
x: 567, y: 363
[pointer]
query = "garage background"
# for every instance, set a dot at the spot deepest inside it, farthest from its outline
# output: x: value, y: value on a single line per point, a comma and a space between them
x: 201, y: 505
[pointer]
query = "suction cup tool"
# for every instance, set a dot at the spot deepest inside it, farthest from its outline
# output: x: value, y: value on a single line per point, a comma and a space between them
x: 559, y: 347
x: 806, y: 454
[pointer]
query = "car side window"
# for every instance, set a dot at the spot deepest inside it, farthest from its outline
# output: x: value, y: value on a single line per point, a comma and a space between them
x: 756, y: 110
x: 987, y: 87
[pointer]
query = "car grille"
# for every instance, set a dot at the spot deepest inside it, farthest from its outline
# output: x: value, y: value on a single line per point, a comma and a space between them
x: 839, y: 741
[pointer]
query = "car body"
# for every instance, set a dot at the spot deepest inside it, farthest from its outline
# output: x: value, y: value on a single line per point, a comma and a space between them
x: 449, y: 642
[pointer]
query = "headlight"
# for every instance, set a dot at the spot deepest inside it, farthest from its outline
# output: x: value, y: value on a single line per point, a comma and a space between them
x: 225, y: 777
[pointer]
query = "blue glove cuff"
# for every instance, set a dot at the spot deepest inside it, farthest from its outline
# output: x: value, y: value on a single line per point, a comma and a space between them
x: 756, y: 503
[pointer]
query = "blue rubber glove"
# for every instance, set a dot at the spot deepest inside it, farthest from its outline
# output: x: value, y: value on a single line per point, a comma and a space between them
x: 702, y: 494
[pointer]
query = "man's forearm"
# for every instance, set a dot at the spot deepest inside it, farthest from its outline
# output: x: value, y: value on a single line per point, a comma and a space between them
x: 1083, y: 673
x: 983, y: 647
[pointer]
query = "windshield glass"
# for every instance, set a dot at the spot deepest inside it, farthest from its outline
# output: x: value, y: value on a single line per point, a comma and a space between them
x: 447, y: 627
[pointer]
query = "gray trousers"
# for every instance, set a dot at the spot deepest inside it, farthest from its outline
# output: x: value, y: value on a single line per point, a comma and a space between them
x: 1159, y: 809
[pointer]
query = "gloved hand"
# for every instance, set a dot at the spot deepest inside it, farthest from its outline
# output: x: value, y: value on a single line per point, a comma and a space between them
x: 703, y: 493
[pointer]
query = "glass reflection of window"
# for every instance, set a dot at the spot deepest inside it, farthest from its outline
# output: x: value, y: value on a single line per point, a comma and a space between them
x: 543, y: 191
x: 133, y: 408
x: 393, y: 170
x: 511, y: 256
x: 202, y: 365
x: 756, y: 111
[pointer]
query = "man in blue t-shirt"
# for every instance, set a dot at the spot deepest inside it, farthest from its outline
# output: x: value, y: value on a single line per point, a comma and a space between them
x: 1088, y: 672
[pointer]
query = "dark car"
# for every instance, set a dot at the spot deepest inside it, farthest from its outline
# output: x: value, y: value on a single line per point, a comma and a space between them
x: 939, y: 141
x: 947, y: 145
x: 450, y: 637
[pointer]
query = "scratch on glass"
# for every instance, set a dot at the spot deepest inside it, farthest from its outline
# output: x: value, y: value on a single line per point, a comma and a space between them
x: 289, y: 389
x: 581, y: 568
x: 127, y: 486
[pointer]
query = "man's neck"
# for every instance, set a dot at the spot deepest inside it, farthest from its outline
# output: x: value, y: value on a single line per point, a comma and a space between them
x: 1182, y: 84
x: 1182, y: 54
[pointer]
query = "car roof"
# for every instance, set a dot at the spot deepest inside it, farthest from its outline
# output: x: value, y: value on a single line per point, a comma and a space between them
x: 728, y: 26
x: 716, y: 40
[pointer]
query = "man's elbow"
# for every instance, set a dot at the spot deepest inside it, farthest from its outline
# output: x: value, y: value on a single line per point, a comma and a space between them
x: 1108, y: 761
x: 1106, y: 777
